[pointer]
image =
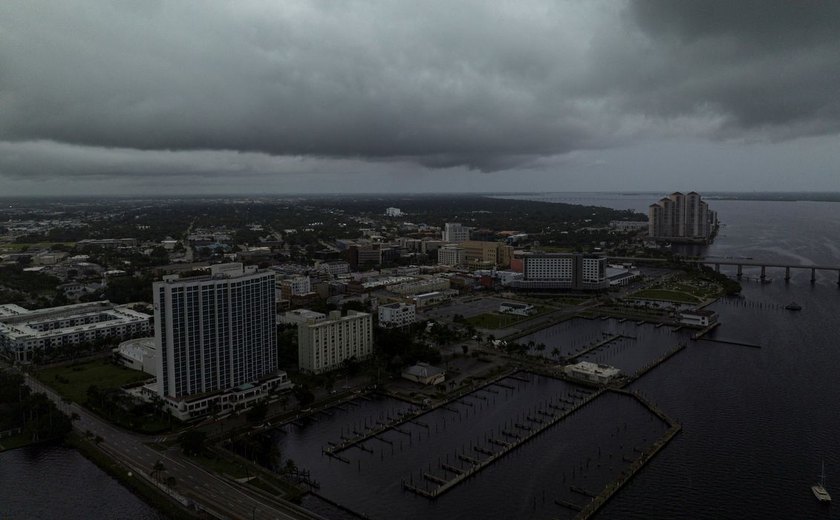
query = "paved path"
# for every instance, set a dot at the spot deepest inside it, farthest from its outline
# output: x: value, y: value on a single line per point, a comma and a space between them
x: 217, y: 495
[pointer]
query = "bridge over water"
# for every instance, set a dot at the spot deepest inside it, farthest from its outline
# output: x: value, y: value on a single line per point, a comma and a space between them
x: 763, y: 265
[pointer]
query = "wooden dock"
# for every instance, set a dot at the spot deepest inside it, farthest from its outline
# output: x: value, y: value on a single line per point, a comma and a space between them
x: 645, y: 456
x: 528, y: 432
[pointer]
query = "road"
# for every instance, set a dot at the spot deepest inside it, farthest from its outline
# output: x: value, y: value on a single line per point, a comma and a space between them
x: 216, y: 495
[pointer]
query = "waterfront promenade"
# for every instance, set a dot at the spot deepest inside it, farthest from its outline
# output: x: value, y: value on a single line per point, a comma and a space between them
x: 216, y: 496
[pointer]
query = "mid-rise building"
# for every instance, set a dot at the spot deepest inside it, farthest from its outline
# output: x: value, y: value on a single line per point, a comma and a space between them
x: 393, y: 212
x: 24, y: 332
x: 478, y: 254
x: 394, y: 315
x: 454, y: 232
x: 451, y: 255
x: 215, y: 332
x: 577, y: 271
x: 681, y: 218
x: 324, y: 345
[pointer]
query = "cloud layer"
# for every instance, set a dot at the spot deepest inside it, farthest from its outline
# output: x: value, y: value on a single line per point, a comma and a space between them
x: 265, y: 85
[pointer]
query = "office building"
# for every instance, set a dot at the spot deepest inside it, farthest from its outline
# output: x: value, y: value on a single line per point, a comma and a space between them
x: 23, y: 331
x: 478, y: 254
x: 324, y: 345
x: 576, y: 271
x: 454, y: 232
x: 451, y: 255
x: 681, y: 218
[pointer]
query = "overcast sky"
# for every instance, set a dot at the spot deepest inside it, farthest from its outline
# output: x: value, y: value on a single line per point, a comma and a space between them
x: 270, y: 96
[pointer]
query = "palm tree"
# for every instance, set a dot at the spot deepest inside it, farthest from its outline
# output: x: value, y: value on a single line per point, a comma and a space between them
x: 555, y: 352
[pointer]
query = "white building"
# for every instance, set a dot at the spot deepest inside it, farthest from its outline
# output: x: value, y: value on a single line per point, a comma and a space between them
x: 451, y: 256
x: 519, y: 309
x: 563, y: 271
x: 681, y: 218
x: 425, y: 374
x: 24, y: 331
x: 454, y: 232
x: 422, y: 285
x: 698, y: 318
x: 138, y: 354
x: 323, y: 345
x: 396, y: 315
x: 592, y: 372
x: 433, y: 298
x: 393, y: 212
x: 214, y: 333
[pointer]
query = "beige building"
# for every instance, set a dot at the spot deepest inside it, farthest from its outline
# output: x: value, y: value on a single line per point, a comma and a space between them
x: 486, y: 254
x: 323, y: 345
x: 451, y: 255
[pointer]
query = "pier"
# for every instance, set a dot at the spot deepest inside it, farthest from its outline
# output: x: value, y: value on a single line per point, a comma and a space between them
x: 475, y: 465
x: 597, y: 345
x: 644, y: 457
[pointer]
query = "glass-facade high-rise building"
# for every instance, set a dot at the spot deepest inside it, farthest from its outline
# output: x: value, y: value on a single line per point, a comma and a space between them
x: 214, y: 332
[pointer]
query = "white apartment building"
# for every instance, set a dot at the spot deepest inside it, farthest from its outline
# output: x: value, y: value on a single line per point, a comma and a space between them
x: 454, y: 232
x: 681, y: 218
x: 24, y: 331
x: 451, y: 256
x: 323, y: 345
x: 216, y: 332
x: 395, y: 315
x: 393, y: 212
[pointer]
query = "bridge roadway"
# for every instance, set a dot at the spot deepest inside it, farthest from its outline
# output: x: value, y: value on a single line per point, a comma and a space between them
x: 764, y: 265
x: 217, y: 496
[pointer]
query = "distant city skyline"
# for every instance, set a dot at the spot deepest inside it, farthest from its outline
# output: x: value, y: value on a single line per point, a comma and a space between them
x: 358, y: 97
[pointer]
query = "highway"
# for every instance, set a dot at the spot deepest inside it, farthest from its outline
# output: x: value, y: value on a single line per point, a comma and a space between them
x: 219, y: 497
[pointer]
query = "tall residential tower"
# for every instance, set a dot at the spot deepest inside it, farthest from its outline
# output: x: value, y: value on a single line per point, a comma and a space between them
x: 215, y: 332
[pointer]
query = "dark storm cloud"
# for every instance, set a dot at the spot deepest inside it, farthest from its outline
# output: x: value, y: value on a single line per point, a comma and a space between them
x: 768, y: 67
x: 486, y: 85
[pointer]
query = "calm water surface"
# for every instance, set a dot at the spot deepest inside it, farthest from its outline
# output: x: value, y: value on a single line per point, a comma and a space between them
x: 757, y: 423
x: 53, y: 482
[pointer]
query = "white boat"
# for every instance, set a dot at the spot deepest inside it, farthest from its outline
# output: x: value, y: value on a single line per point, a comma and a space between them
x: 819, y: 489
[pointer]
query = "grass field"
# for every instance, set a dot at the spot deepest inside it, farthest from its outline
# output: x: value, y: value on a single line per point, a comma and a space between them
x: 495, y: 320
x: 10, y: 247
x: 666, y: 295
x: 73, y: 381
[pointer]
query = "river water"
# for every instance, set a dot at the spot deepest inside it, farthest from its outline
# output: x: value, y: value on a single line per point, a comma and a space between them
x: 757, y: 422
x: 50, y: 482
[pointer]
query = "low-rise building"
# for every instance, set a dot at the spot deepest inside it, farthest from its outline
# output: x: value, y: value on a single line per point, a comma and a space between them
x: 425, y: 374
x: 698, y: 318
x: 138, y: 354
x: 396, y: 315
x: 22, y: 332
x: 592, y: 372
x: 519, y: 309
x: 433, y: 298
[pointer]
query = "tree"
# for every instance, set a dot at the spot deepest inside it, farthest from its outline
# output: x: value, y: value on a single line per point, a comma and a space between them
x: 257, y: 412
x: 465, y: 349
x: 192, y: 442
x: 304, y: 395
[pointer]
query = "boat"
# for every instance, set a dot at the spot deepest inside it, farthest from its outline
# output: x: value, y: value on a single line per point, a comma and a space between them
x: 793, y: 306
x: 819, y: 489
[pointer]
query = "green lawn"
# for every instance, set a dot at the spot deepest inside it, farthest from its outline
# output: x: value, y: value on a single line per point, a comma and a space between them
x: 73, y: 381
x: 496, y: 320
x: 666, y: 295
